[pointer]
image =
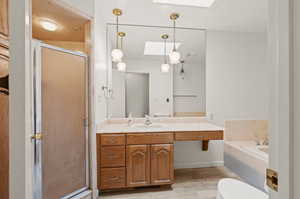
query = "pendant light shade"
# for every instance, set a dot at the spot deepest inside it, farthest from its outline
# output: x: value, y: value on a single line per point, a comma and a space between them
x: 117, y: 53
x: 165, y: 67
x: 121, y: 66
x: 174, y: 56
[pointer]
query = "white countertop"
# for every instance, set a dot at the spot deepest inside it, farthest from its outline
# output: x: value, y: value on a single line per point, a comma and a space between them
x: 158, y: 127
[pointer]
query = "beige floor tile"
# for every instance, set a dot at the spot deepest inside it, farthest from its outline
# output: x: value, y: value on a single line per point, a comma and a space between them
x: 189, y: 184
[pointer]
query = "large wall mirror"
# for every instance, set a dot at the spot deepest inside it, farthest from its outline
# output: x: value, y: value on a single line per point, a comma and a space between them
x: 141, y: 86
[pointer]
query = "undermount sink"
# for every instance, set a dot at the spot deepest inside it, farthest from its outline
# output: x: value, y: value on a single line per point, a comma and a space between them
x: 148, y: 126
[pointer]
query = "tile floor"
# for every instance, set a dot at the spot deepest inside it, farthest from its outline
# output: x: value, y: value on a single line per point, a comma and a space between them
x: 189, y: 184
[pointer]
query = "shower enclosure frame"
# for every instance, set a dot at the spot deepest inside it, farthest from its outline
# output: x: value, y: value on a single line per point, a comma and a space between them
x: 37, y: 126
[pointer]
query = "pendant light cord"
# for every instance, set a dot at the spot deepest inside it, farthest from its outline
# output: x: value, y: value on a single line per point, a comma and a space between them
x: 174, y: 33
x: 165, y: 52
x: 121, y: 43
x: 117, y: 33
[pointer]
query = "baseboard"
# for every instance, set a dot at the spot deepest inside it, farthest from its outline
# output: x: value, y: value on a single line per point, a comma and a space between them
x: 190, y: 165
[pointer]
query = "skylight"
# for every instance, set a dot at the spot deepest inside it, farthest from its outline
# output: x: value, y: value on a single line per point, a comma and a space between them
x: 157, y: 48
x: 196, y: 3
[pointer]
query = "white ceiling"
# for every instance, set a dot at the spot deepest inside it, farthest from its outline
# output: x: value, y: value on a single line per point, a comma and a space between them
x: 224, y: 15
x: 70, y: 25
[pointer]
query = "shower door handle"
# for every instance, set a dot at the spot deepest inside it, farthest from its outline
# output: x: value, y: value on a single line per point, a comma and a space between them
x: 37, y: 136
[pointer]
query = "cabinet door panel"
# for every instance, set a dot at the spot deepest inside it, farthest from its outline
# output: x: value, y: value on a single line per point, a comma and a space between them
x: 4, y: 102
x: 3, y: 65
x: 112, y: 156
x: 111, y: 178
x: 138, y: 165
x: 162, y: 170
x: 4, y: 18
x: 4, y: 146
x: 112, y: 140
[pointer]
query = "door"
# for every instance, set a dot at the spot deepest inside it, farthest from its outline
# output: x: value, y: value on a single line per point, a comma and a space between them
x: 162, y: 171
x: 280, y: 51
x: 61, y: 114
x: 138, y: 165
x: 137, y: 94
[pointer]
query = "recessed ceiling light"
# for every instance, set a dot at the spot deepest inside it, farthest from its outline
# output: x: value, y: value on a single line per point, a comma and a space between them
x: 196, y: 3
x: 157, y: 48
x: 48, y: 25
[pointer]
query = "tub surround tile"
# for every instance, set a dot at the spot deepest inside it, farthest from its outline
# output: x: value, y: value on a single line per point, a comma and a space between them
x: 242, y: 130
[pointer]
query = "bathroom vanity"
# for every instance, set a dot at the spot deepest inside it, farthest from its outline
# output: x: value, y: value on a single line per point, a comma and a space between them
x: 139, y: 156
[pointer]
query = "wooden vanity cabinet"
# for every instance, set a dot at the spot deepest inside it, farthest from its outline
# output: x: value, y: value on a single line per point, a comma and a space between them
x: 148, y: 160
x: 127, y: 160
x: 111, y: 161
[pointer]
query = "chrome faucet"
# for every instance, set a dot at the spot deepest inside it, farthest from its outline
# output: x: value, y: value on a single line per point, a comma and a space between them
x: 130, y: 120
x: 148, y: 120
x: 266, y: 142
x: 260, y: 142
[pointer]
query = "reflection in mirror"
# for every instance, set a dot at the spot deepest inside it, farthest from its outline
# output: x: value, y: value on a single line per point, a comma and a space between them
x: 137, y: 94
x: 145, y: 88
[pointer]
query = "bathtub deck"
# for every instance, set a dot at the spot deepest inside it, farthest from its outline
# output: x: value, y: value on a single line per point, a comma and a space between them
x: 189, y: 184
x: 246, y: 161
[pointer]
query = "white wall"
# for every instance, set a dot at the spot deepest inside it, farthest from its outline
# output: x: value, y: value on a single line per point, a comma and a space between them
x: 237, y: 76
x: 100, y: 62
x: 192, y: 84
x: 236, y: 87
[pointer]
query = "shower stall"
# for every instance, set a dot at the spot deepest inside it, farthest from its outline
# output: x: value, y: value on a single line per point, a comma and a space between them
x: 61, y: 114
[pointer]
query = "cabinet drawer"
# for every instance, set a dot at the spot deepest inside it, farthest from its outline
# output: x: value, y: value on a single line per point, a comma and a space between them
x: 150, y: 138
x: 112, y: 140
x: 112, y: 156
x: 111, y: 178
x: 203, y: 135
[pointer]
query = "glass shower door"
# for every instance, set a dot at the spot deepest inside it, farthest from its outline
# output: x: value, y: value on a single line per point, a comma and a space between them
x: 61, y: 111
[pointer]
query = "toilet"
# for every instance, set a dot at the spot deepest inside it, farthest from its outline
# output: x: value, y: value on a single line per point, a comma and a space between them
x: 235, y: 189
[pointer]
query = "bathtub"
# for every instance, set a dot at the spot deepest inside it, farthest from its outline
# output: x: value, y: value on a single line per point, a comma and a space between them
x: 248, y: 161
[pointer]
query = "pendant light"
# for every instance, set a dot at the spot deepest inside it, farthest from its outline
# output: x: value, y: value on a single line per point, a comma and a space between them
x: 165, y: 67
x: 174, y: 56
x: 121, y: 64
x: 117, y: 54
